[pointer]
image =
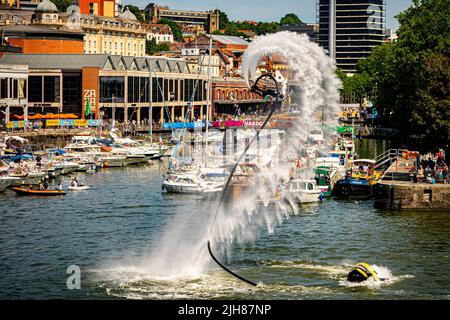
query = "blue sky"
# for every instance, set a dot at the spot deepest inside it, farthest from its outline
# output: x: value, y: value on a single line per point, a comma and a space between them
x: 267, y: 10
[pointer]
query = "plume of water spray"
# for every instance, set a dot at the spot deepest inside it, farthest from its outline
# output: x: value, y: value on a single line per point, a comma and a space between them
x: 313, y: 73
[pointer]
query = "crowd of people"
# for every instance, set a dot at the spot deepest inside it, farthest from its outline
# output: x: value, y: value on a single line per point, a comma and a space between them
x: 433, y: 169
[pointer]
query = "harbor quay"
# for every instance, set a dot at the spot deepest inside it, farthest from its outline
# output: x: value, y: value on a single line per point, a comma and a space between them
x: 402, y: 195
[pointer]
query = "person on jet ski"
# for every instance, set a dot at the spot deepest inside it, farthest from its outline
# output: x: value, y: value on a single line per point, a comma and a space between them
x: 362, y: 272
x: 75, y: 182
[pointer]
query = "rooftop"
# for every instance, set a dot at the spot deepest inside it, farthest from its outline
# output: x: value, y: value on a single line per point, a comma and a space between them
x: 228, y: 39
x: 102, y: 61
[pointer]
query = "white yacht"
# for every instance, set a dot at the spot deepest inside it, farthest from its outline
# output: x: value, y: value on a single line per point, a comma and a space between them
x: 192, y: 184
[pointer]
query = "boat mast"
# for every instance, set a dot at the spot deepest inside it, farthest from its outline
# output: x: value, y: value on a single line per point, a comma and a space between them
x: 208, y: 98
x: 150, y: 109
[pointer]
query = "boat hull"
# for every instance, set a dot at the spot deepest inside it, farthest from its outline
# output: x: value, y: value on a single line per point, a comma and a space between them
x: 352, y: 189
x: 42, y: 193
x: 176, y: 188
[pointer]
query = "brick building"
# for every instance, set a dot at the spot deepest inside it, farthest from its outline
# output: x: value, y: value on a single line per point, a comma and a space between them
x: 40, y: 39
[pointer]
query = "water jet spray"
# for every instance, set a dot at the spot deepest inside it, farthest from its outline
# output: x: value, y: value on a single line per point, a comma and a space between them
x: 274, y: 104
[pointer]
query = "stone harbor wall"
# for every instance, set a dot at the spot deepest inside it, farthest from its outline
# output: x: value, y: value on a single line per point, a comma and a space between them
x: 398, y: 195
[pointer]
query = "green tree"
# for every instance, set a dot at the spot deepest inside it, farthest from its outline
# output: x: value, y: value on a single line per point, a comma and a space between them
x: 176, y: 28
x: 62, y: 5
x: 290, y: 18
x: 223, y: 20
x: 411, y: 76
x: 140, y: 15
x: 151, y: 47
x: 267, y: 27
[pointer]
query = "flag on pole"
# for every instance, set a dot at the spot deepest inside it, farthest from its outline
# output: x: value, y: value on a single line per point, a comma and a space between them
x: 87, y: 110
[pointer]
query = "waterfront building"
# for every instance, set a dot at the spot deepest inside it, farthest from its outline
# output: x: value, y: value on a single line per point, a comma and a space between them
x: 219, y: 42
x: 13, y: 89
x: 122, y: 35
x: 120, y: 84
x: 42, y: 39
x: 162, y: 33
x: 350, y: 29
x: 232, y: 96
x: 102, y: 8
x: 191, y: 32
x: 208, y: 19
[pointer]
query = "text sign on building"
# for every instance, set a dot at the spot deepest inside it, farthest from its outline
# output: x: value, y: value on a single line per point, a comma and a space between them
x: 90, y: 95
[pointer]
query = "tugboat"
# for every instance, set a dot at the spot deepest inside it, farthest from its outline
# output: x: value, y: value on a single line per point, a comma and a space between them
x: 350, y: 188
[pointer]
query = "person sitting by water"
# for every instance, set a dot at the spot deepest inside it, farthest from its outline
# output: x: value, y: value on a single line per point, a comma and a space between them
x: 60, y: 187
x: 420, y: 175
x: 45, y: 185
x: 362, y: 272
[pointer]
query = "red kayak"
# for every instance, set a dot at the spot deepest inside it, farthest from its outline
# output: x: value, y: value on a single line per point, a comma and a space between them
x: 30, y: 192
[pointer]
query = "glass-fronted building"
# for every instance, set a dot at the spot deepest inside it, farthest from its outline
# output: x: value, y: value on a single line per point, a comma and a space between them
x: 66, y: 83
x: 350, y: 29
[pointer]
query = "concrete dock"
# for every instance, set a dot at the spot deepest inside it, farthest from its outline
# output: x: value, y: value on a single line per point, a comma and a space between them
x: 402, y: 195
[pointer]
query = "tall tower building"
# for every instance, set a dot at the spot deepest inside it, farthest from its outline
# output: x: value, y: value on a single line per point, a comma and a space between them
x: 350, y: 29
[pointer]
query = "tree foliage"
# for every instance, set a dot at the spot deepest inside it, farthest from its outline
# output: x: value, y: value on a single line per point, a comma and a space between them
x: 62, y: 5
x: 151, y: 47
x: 290, y: 18
x: 176, y: 28
x: 140, y: 15
x: 411, y: 76
x: 232, y: 27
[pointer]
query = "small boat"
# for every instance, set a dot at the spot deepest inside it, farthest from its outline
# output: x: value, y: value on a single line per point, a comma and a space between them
x: 191, y: 184
x: 350, y: 188
x: 304, y: 191
x: 5, y: 182
x: 31, y: 192
x: 73, y: 188
x: 324, y: 178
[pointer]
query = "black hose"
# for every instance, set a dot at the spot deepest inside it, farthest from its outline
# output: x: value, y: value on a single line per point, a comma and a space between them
x: 228, y: 270
x: 227, y: 185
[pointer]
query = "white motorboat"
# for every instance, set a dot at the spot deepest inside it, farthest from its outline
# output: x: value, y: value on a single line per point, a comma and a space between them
x: 68, y: 167
x: 110, y: 161
x: 27, y: 178
x: 303, y: 191
x: 191, y: 184
x: 6, y: 181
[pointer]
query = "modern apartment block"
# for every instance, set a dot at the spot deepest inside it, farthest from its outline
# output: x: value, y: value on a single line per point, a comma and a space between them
x: 350, y: 29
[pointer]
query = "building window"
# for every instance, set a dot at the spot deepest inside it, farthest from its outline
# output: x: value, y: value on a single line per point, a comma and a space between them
x: 52, y: 88
x: 3, y: 88
x: 72, y: 93
x: 35, y: 89
x: 112, y: 86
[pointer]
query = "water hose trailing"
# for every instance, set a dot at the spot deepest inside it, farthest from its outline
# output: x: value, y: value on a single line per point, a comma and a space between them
x: 267, y: 92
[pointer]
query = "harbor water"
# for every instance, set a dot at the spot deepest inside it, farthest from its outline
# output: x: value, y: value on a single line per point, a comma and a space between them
x: 109, y: 230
